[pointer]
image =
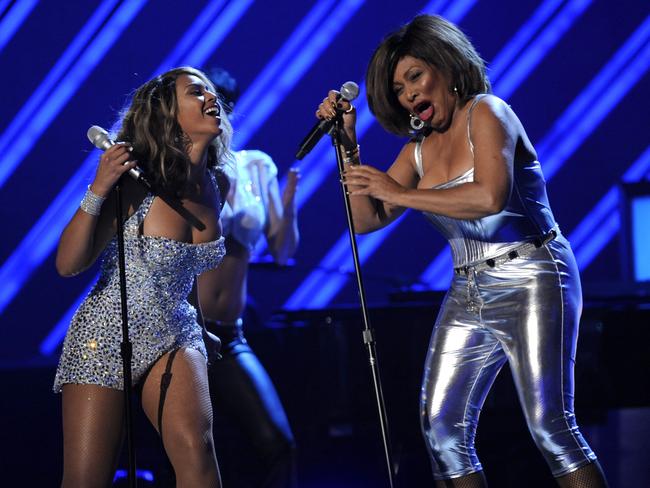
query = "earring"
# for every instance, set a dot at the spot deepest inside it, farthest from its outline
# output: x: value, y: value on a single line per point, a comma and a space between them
x: 456, y: 90
x: 415, y: 122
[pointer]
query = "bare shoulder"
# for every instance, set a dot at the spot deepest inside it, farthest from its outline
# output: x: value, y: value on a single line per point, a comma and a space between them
x: 403, y: 168
x: 491, y: 109
x: 407, y: 153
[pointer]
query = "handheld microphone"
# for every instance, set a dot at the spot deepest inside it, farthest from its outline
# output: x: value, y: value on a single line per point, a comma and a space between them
x: 100, y: 139
x: 349, y: 91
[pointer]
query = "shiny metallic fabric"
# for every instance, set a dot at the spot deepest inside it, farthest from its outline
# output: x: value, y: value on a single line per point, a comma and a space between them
x: 524, y: 310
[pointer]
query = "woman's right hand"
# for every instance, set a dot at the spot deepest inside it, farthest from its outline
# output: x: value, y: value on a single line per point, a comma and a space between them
x: 112, y: 165
x: 327, y: 110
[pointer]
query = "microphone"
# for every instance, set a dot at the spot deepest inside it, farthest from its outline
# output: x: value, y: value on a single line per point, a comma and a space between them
x: 100, y: 139
x: 349, y: 91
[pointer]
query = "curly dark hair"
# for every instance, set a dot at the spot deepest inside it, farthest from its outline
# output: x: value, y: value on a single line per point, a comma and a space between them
x: 437, y: 42
x: 150, y: 124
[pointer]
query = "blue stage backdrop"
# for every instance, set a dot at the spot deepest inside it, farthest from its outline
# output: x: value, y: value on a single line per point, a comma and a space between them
x: 575, y: 71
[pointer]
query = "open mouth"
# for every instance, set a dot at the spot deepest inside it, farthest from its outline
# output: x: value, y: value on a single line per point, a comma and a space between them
x: 213, y: 112
x: 424, y: 110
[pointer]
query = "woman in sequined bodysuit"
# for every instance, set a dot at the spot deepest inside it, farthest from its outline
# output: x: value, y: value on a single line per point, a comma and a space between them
x: 175, y: 130
x: 515, y: 295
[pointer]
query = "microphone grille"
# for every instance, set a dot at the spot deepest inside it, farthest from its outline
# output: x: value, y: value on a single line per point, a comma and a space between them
x: 350, y: 90
x: 99, y: 137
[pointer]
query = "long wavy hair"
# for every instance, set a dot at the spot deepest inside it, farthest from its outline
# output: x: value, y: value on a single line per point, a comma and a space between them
x: 437, y: 42
x: 150, y: 124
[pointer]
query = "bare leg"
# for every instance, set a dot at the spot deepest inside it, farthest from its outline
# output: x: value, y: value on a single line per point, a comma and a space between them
x: 589, y: 476
x: 474, y: 480
x: 92, y: 435
x: 186, y: 419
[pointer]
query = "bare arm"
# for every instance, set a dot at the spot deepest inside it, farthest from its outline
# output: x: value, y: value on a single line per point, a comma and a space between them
x: 369, y: 213
x: 85, y: 236
x: 494, y: 133
x: 282, y: 232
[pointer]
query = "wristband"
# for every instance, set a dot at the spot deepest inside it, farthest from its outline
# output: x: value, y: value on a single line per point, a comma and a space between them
x: 92, y: 203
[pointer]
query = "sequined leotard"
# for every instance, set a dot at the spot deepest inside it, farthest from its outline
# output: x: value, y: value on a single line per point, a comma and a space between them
x: 160, y: 273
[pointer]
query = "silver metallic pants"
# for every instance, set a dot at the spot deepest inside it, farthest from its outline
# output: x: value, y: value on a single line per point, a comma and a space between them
x: 526, y: 312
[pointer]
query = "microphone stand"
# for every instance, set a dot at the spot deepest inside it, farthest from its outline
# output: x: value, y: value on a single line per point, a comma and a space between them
x: 126, y: 349
x: 368, y: 335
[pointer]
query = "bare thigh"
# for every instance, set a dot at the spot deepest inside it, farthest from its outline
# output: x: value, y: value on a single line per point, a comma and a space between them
x: 187, y: 414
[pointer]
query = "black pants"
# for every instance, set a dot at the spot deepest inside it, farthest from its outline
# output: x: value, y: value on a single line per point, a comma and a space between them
x: 242, y: 393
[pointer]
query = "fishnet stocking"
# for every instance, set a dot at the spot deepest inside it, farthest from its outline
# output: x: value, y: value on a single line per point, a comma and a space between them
x: 92, y: 435
x: 589, y: 476
x: 474, y: 480
x: 187, y: 418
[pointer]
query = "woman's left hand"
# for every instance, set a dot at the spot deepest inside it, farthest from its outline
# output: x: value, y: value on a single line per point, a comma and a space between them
x: 366, y: 180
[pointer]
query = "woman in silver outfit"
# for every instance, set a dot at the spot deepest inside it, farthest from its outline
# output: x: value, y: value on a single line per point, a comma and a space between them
x: 175, y: 128
x: 515, y: 295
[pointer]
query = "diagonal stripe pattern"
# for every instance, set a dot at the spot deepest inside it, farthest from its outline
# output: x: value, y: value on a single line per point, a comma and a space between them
x: 603, y: 221
x: 314, y: 33
x: 20, y: 122
x: 13, y: 19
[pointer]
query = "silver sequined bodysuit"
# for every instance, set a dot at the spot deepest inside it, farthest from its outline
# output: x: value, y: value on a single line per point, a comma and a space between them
x: 160, y: 273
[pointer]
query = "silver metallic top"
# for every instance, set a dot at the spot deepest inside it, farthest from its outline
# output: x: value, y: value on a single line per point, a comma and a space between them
x: 527, y: 213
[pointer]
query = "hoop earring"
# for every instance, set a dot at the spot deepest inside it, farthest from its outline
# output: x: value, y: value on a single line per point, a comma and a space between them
x: 415, y: 122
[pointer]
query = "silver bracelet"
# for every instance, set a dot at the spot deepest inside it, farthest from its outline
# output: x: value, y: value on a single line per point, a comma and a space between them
x: 92, y: 203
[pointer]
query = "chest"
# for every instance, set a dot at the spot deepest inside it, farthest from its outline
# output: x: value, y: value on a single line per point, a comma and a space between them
x: 161, y: 220
x: 445, y: 156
